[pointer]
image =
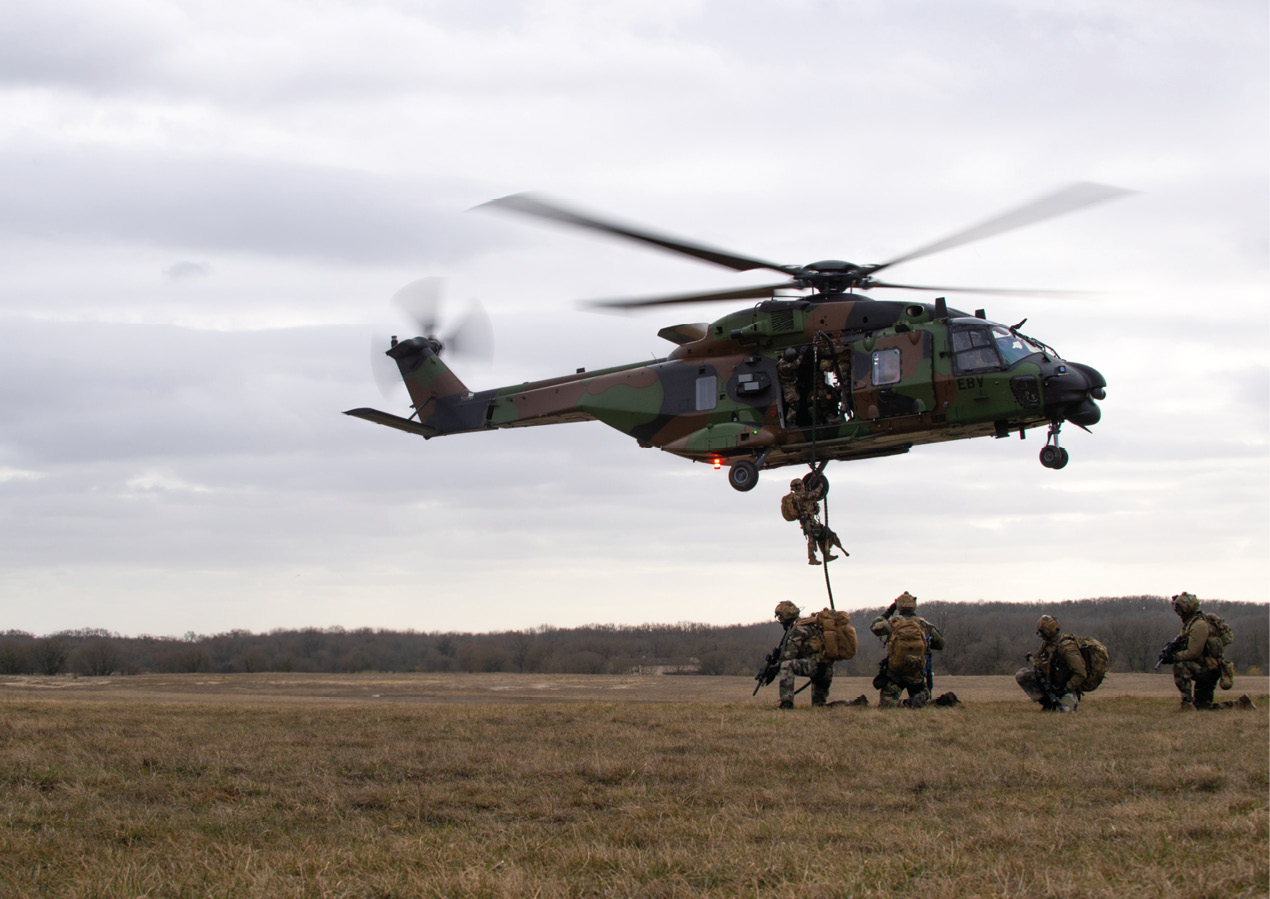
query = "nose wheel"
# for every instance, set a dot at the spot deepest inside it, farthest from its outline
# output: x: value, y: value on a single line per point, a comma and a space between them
x: 1053, y: 455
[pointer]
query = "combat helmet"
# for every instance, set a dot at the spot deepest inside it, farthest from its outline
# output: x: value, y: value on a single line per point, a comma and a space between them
x: 906, y: 602
x: 1047, y: 627
x: 796, y: 484
x: 1185, y: 604
x: 787, y: 611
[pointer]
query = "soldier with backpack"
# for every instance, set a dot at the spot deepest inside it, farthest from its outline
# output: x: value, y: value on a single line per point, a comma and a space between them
x: 809, y: 648
x: 1063, y: 669
x: 802, y: 504
x: 1197, y: 657
x: 907, y: 666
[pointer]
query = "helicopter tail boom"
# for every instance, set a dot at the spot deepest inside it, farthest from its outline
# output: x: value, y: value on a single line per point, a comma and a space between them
x: 442, y: 402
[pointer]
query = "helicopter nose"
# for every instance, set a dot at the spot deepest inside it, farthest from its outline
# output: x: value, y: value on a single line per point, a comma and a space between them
x: 1097, y: 383
x: 1071, y: 391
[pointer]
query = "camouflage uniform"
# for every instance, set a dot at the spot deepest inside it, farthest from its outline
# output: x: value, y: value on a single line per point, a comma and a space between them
x: 895, y: 685
x: 843, y: 374
x: 826, y: 400
x: 787, y: 372
x: 1060, y: 663
x: 1197, y: 666
x: 802, y: 655
x: 819, y: 536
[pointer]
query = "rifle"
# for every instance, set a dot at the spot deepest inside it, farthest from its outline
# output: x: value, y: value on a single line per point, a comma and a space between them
x: 771, y: 665
x: 1171, y: 649
x: 1052, y: 699
x: 929, y: 671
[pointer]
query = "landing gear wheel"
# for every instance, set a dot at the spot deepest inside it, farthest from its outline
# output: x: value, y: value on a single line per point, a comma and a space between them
x: 1053, y: 456
x: 743, y: 475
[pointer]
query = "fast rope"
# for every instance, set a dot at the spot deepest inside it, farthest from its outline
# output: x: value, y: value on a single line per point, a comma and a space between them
x: 817, y: 380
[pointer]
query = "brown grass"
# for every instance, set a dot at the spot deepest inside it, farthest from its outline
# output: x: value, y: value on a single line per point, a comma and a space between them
x: 478, y: 786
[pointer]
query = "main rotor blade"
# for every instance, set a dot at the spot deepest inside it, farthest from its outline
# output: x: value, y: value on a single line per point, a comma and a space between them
x: 1065, y: 200
x: 744, y: 293
x: 529, y: 204
x: 1000, y: 291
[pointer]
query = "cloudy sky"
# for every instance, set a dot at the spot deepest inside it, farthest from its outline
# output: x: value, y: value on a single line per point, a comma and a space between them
x: 205, y: 207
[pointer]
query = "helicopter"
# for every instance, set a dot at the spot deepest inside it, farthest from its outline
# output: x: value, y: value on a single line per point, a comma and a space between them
x: 825, y: 373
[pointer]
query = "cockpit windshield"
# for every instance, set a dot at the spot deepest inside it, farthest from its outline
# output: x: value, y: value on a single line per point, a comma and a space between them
x: 988, y: 347
x: 1013, y: 346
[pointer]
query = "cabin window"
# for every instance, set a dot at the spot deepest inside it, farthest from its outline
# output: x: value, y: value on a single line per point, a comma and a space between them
x: 886, y: 367
x: 974, y: 350
x: 707, y: 393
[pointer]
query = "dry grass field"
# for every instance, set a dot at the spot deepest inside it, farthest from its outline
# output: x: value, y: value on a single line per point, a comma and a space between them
x: 497, y: 785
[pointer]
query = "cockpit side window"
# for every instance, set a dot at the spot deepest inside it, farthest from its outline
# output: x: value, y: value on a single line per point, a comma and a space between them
x: 974, y: 350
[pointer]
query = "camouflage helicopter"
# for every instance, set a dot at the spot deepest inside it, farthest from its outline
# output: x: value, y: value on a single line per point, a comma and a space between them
x: 825, y: 374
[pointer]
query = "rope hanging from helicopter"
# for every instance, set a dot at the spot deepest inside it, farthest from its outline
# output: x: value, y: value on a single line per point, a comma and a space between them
x: 817, y: 471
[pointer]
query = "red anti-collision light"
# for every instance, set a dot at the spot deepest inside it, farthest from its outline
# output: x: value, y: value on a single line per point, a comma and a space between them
x: 718, y: 463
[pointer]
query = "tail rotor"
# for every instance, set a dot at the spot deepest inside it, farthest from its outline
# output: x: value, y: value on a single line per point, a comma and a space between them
x: 419, y: 302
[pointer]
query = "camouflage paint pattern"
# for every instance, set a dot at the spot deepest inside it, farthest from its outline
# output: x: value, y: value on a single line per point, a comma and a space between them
x: 718, y: 395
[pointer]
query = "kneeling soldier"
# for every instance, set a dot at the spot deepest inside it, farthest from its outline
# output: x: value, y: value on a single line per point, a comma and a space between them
x: 907, y: 666
x: 1057, y: 671
x: 1198, y: 659
x: 802, y: 655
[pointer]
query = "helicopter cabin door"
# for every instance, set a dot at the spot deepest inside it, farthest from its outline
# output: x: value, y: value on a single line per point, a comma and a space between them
x: 895, y: 377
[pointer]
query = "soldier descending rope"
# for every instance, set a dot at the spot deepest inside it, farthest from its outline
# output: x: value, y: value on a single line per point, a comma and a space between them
x: 802, y: 504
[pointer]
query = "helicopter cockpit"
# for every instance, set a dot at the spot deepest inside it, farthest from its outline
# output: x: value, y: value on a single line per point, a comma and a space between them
x: 983, y: 346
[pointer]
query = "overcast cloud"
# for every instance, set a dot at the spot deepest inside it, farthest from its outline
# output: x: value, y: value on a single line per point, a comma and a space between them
x: 205, y: 208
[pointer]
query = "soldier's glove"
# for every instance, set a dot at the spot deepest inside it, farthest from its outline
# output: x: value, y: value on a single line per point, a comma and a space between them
x: 1028, y: 657
x: 890, y: 610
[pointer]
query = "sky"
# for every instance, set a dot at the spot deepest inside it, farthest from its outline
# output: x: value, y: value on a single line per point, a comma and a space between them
x: 205, y: 208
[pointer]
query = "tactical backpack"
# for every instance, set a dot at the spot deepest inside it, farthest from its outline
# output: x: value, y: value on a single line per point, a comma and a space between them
x: 789, y: 507
x: 839, y: 635
x: 1219, y: 635
x: 906, y: 650
x: 1096, y: 658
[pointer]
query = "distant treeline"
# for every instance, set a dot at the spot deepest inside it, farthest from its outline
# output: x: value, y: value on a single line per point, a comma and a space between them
x: 980, y: 638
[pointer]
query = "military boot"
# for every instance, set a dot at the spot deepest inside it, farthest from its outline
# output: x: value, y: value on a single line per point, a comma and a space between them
x: 786, y: 704
x: 861, y: 700
x: 1186, y: 705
